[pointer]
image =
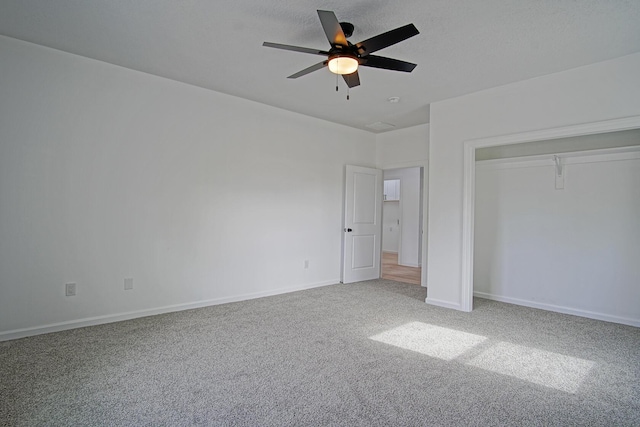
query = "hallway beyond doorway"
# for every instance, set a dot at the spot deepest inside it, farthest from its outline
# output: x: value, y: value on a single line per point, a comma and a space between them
x: 392, y: 271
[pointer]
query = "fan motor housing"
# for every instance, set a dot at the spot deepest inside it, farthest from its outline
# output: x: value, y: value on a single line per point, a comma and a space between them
x: 347, y: 29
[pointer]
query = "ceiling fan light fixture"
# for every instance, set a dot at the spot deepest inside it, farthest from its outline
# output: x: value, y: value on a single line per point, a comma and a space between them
x: 345, y: 58
x: 343, y: 65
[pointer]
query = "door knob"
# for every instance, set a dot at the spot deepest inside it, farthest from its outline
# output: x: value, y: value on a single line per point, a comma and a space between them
x: 348, y: 230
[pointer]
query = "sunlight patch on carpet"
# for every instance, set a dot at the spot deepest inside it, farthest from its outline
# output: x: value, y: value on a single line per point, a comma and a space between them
x: 434, y: 341
x: 540, y: 367
x: 549, y: 369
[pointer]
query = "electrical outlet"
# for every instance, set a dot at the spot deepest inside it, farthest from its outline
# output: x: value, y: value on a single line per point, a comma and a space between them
x: 70, y: 289
x: 128, y: 283
x: 306, y: 263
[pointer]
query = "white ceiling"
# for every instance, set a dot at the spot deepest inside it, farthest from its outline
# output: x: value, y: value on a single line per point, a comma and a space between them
x: 464, y: 45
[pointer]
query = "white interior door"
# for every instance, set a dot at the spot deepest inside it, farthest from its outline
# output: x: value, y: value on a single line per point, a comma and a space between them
x: 362, y: 224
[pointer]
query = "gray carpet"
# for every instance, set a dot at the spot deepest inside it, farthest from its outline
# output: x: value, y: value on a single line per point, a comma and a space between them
x: 364, y: 354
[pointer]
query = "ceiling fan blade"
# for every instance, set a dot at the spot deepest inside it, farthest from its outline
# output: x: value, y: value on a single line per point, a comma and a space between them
x: 296, y: 48
x: 386, y: 63
x: 308, y: 70
x: 386, y: 39
x: 352, y: 79
x: 332, y: 28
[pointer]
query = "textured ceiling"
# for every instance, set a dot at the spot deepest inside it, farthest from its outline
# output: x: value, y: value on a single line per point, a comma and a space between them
x: 464, y: 45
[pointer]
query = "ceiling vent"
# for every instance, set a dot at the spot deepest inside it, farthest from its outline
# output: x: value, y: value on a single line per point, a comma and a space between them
x: 380, y: 126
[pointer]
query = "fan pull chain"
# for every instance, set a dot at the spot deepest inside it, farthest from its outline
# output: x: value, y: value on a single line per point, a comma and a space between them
x: 336, y: 82
x: 347, y: 92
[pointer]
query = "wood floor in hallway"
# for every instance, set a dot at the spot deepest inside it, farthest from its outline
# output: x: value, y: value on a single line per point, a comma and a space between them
x: 392, y: 271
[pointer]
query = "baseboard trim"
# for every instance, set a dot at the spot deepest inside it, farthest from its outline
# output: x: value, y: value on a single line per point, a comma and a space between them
x: 560, y: 309
x: 118, y: 317
x: 410, y: 264
x: 442, y: 303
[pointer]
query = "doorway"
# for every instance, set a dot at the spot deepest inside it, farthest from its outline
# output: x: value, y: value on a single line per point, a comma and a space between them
x: 469, y: 182
x: 402, y: 225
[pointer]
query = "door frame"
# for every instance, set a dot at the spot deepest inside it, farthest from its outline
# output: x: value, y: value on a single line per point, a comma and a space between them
x: 469, y: 181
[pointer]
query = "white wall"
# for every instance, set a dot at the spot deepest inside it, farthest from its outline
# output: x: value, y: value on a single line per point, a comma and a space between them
x: 107, y: 173
x: 409, y: 210
x: 602, y: 91
x: 390, y: 226
x: 574, y: 249
x: 403, y: 147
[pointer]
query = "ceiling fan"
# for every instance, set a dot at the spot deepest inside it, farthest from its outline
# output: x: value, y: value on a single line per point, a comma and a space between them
x: 344, y: 58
